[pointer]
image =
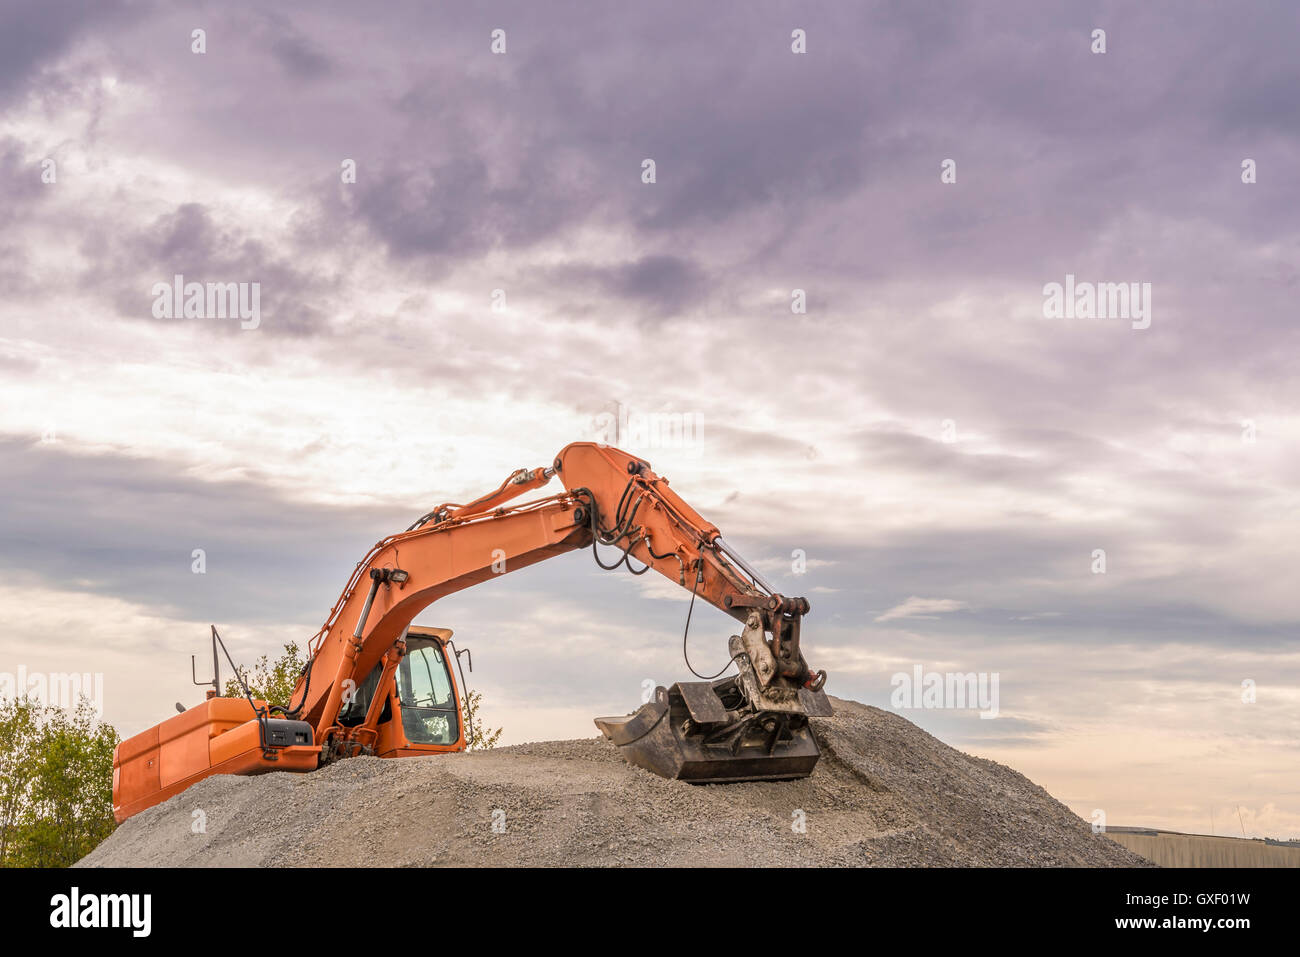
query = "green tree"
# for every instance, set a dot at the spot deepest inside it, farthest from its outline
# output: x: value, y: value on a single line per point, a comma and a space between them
x: 56, y: 783
x: 272, y: 683
x: 477, y: 738
x: 19, y: 733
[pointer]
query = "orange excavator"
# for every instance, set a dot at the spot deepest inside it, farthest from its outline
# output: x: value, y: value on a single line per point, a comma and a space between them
x: 375, y: 684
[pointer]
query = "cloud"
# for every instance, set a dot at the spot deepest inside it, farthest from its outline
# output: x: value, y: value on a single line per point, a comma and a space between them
x: 914, y: 607
x: 33, y: 35
x: 663, y: 285
x: 301, y: 57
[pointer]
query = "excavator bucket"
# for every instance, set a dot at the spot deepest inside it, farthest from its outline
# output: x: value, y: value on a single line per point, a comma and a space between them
x: 722, y: 731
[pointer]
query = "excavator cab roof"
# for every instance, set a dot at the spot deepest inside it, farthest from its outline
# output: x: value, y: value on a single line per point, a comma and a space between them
x: 426, y: 631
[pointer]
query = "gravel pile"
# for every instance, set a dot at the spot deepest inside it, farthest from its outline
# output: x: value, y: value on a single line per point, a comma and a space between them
x: 884, y: 793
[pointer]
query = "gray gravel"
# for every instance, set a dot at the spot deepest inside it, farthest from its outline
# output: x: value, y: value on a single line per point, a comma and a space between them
x: 884, y: 793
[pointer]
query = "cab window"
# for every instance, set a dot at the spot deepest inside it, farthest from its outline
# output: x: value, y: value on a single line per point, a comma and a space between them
x: 429, y: 711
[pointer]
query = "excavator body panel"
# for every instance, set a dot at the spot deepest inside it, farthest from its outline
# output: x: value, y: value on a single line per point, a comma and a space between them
x: 219, y: 736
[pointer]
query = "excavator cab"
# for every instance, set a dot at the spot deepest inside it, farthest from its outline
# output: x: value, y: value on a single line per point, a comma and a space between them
x: 421, y: 710
x: 426, y: 693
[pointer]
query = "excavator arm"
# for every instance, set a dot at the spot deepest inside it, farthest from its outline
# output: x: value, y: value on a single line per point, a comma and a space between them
x: 611, y: 500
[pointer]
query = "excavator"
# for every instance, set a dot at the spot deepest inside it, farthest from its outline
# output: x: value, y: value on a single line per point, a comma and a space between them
x: 375, y: 684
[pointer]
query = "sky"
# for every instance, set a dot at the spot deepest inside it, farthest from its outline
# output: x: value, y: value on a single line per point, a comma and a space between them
x: 835, y: 271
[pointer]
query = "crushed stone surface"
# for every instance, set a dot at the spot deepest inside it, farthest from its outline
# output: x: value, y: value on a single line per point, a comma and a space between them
x: 884, y: 793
